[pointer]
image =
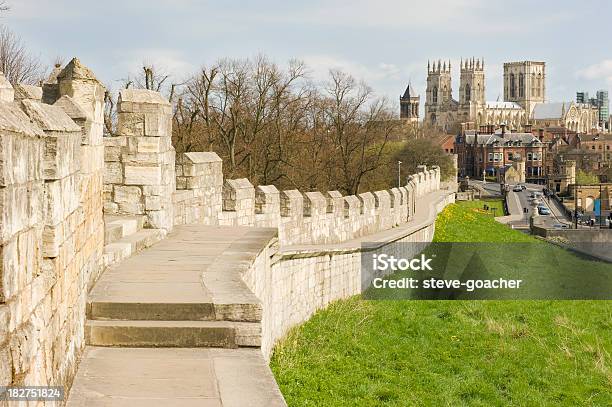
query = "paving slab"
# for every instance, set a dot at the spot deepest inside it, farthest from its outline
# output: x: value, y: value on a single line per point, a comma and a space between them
x: 154, y: 319
x: 181, y: 377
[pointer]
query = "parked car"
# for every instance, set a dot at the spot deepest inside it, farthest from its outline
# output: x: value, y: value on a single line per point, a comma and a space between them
x: 517, y: 188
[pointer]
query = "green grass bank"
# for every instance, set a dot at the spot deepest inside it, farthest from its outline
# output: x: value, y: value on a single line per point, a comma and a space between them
x: 451, y: 353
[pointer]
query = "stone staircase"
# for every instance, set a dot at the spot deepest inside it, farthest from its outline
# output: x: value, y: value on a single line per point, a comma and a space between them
x: 175, y: 324
x: 186, y: 291
x: 125, y: 236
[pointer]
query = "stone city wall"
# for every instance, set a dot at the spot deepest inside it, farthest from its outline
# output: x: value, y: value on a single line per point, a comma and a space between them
x: 294, y: 282
x: 59, y: 176
x: 142, y: 177
x: 52, y: 231
x: 317, y: 218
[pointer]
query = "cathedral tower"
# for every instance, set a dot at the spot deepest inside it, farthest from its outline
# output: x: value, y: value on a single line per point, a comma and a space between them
x: 525, y: 83
x: 439, y: 91
x: 409, y: 105
x: 472, y: 82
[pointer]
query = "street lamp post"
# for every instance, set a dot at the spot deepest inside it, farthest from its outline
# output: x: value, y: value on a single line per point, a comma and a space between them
x: 399, y: 174
x: 575, y: 206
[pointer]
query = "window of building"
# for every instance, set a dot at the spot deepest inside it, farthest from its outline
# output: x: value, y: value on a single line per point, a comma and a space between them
x: 529, y: 156
x: 434, y: 94
x: 512, y: 86
x: 521, y: 85
x: 510, y: 156
x: 468, y: 92
x: 592, y: 147
x: 490, y: 157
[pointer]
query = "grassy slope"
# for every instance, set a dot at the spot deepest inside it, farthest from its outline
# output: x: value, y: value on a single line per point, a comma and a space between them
x: 476, y: 353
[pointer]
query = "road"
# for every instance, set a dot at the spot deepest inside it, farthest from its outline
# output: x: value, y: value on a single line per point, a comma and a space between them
x: 557, y: 216
x: 518, y: 201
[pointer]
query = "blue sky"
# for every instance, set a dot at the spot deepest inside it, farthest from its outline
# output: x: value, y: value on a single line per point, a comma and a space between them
x: 384, y: 42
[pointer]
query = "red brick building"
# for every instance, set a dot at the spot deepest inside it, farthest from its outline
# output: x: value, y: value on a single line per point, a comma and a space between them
x: 492, y: 152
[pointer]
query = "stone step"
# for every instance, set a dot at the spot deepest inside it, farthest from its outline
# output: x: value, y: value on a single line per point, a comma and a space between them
x: 126, y: 246
x: 185, y: 311
x: 171, y: 334
x: 118, y: 227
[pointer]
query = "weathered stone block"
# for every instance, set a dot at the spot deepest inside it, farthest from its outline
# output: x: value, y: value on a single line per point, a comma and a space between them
x: 142, y: 175
x: 127, y: 194
x: 113, y: 173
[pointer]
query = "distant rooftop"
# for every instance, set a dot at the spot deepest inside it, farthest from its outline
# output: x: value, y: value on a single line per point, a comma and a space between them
x: 503, y: 105
x: 549, y: 110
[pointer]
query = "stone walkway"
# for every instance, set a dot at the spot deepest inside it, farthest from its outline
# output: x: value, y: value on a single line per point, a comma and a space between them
x: 175, y: 325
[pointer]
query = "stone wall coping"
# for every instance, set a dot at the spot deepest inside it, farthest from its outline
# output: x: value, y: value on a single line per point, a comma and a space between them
x: 142, y: 96
x: 13, y: 119
x: 267, y: 189
x: 239, y: 183
x: 373, y: 241
x: 201, y: 157
x: 71, y: 108
x: 23, y: 91
x: 314, y: 196
x: 49, y: 117
x: 292, y: 194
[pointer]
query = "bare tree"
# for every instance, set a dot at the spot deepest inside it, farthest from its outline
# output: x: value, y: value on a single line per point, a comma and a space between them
x: 17, y: 64
x: 359, y: 129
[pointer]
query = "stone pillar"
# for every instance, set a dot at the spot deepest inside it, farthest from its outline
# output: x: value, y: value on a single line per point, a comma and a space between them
x: 368, y: 213
x: 315, y: 215
x: 382, y: 205
x: 335, y: 213
x: 140, y: 171
x: 267, y: 206
x: 238, y: 203
x: 292, y: 217
x: 202, y: 174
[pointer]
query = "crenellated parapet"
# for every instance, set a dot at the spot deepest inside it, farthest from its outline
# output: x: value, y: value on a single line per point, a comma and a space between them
x: 59, y: 177
x: 314, y: 217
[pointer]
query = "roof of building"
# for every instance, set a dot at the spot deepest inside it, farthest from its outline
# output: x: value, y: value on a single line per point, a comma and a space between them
x: 523, y: 138
x: 550, y: 110
x: 409, y: 92
x: 502, y: 105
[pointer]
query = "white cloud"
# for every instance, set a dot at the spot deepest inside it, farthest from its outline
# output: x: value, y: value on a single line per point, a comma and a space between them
x: 468, y: 16
x: 599, y: 71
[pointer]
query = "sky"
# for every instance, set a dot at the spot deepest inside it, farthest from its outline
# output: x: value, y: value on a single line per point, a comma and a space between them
x: 386, y: 43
